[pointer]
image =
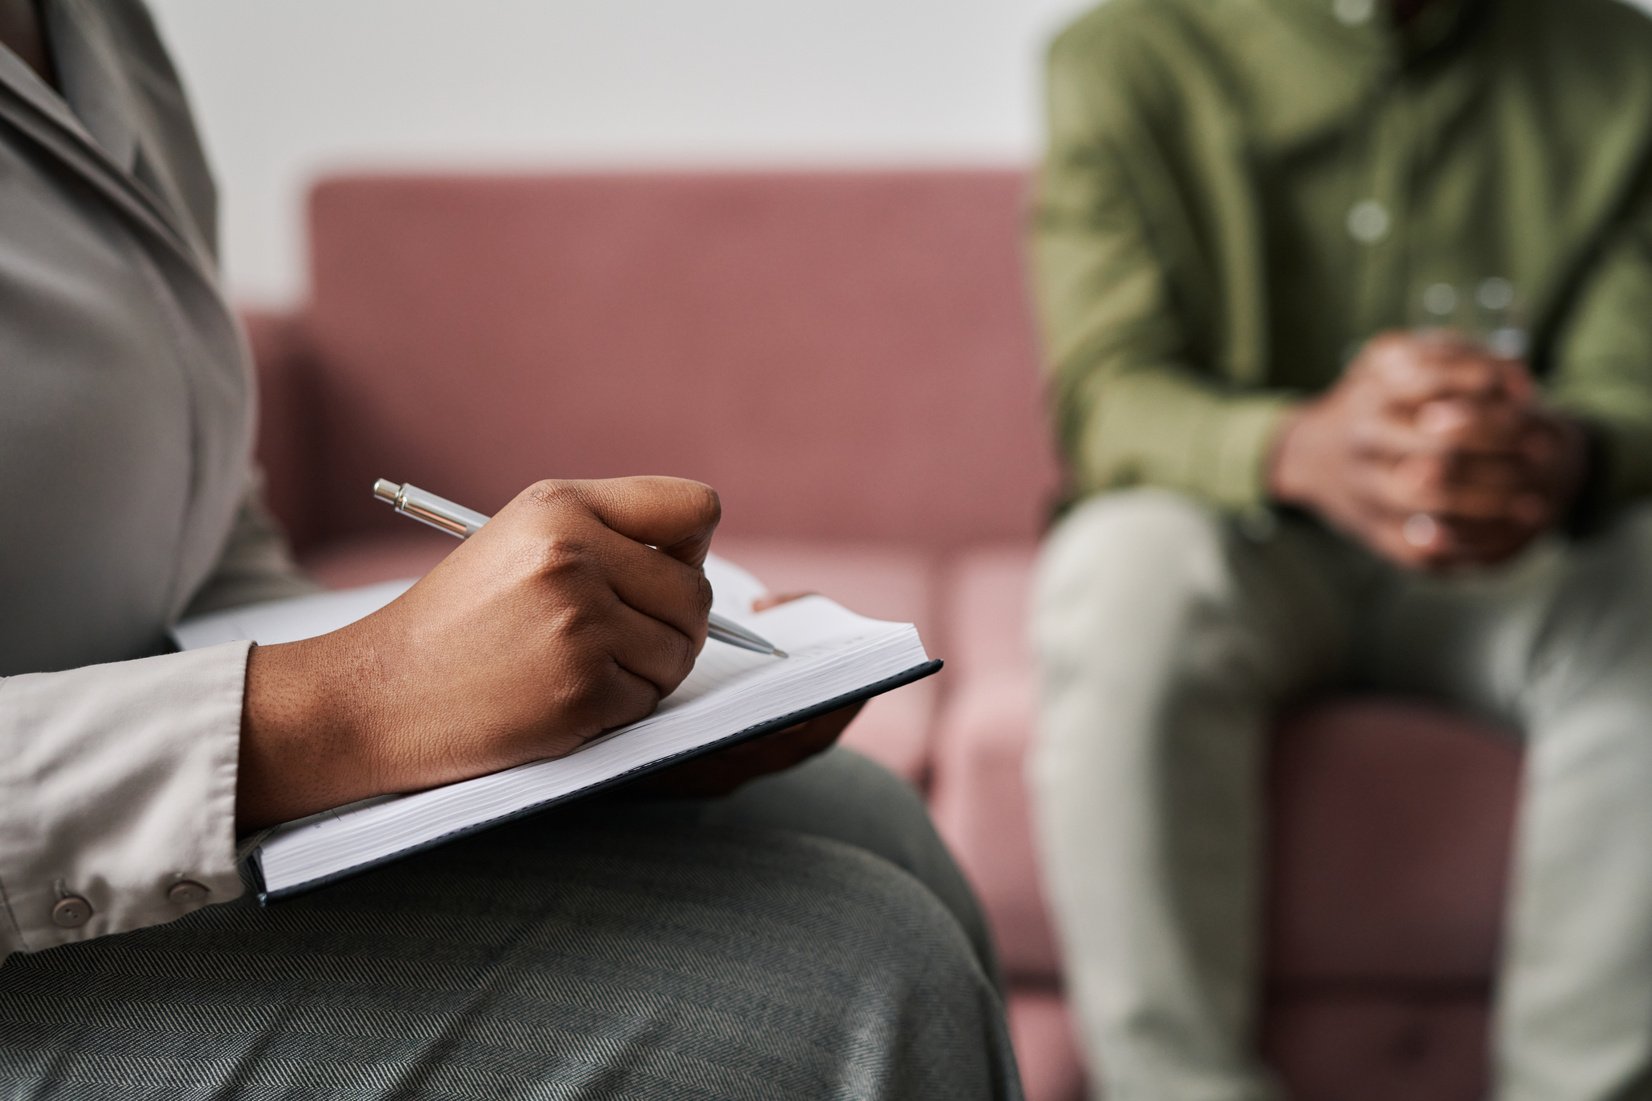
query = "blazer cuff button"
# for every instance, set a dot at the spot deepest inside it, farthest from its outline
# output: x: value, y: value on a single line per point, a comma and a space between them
x: 71, y: 912
x: 187, y: 892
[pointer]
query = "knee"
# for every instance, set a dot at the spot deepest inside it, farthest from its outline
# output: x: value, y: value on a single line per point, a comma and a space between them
x: 857, y: 800
x: 876, y: 903
x: 1132, y: 527
x: 1594, y: 641
x: 1120, y: 540
x: 1131, y: 562
x: 846, y: 798
x: 884, y: 953
x: 1145, y: 621
x: 840, y: 795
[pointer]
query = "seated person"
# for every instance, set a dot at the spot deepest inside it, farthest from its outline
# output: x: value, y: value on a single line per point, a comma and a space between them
x: 806, y: 937
x: 1282, y: 484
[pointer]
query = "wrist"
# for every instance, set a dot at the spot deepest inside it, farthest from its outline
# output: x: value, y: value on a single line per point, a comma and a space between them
x: 1289, y: 470
x: 301, y: 752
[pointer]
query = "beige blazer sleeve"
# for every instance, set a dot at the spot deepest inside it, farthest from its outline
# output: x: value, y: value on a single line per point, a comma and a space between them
x: 125, y: 414
x: 117, y: 795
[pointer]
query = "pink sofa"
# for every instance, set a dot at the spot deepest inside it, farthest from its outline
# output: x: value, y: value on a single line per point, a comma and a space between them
x: 848, y: 357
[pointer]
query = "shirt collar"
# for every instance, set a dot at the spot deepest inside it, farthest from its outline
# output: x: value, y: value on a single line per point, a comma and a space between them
x: 1368, y: 26
x: 1317, y: 61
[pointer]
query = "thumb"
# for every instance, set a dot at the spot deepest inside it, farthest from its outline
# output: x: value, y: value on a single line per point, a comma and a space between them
x: 674, y: 514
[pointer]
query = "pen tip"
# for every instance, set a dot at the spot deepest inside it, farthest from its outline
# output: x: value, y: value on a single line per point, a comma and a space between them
x: 779, y: 653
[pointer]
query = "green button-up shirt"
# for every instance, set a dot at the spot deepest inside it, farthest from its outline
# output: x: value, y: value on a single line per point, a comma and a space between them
x: 1238, y: 193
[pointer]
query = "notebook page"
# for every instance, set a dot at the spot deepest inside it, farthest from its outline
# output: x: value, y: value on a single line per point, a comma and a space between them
x: 287, y: 620
x: 732, y: 588
x: 834, y: 652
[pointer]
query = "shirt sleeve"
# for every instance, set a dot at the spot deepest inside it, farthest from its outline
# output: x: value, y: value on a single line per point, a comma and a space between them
x: 1132, y: 406
x: 1602, y: 368
x: 117, y: 795
x: 117, y: 787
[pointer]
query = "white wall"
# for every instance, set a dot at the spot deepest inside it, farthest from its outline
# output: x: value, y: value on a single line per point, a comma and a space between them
x: 289, y: 88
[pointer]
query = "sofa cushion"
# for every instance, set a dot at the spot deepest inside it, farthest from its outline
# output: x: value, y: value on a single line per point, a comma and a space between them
x: 1046, y: 1047
x: 988, y: 599
x: 802, y: 341
x: 893, y: 729
x: 1379, y: 1046
x: 1392, y: 825
x: 1326, y: 1045
x: 980, y: 806
x: 363, y: 560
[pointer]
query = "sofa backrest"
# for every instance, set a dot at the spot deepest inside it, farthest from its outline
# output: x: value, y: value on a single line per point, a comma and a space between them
x: 842, y: 354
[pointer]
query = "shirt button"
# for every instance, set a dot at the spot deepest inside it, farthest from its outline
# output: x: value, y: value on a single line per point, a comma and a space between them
x: 1354, y: 13
x: 186, y: 892
x: 71, y: 912
x: 1368, y: 221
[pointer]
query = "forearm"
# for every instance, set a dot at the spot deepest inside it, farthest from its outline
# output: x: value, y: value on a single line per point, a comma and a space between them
x: 1137, y: 400
x: 1163, y: 427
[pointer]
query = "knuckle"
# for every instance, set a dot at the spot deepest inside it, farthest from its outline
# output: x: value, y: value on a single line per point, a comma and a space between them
x: 560, y: 556
x: 703, y: 595
x: 1386, y: 488
x: 637, y: 699
x: 1370, y: 409
x: 1387, y: 349
x: 553, y: 494
x: 576, y: 625
x: 1433, y: 471
x: 683, y: 659
x: 581, y: 687
x: 1485, y: 371
x: 1387, y: 341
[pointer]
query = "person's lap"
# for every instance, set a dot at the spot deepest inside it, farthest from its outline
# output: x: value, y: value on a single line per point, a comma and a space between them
x: 1196, y: 609
x: 758, y: 946
x: 1335, y: 617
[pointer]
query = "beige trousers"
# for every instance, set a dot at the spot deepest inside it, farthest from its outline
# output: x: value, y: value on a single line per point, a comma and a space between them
x: 1169, y: 637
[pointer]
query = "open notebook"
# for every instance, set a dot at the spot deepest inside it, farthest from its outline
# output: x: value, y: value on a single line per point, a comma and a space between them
x: 836, y: 657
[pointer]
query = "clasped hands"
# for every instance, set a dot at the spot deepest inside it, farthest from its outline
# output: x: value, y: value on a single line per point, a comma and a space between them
x: 1434, y: 452
x: 574, y: 610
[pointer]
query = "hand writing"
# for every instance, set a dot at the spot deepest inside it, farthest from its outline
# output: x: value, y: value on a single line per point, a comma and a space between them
x: 557, y: 621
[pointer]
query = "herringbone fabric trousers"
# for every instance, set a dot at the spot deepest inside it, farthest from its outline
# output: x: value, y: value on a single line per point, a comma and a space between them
x: 806, y: 938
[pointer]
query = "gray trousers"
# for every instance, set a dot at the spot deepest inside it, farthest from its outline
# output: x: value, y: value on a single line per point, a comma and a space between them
x: 808, y: 937
x: 1169, y: 639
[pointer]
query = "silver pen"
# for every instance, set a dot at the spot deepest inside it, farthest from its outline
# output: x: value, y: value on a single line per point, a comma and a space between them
x: 460, y: 521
